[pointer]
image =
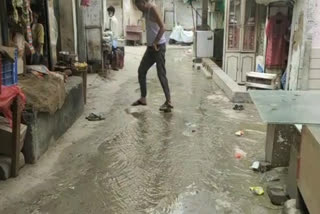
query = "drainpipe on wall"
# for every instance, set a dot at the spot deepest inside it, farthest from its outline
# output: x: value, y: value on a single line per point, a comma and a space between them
x: 205, y: 4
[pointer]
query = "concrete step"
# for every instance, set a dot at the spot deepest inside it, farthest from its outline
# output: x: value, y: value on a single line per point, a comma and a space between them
x: 235, y: 92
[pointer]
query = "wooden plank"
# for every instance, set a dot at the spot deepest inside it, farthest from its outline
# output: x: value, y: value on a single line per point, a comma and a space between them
x: 314, y: 84
x: 309, y: 172
x: 16, y: 120
x: 257, y: 85
x: 315, y: 73
x: 261, y: 81
x: 262, y: 75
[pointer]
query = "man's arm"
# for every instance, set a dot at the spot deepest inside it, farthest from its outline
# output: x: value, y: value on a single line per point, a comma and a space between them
x: 160, y: 23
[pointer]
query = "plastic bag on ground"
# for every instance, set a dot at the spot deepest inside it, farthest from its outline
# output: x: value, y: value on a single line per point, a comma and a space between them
x: 180, y: 35
x: 239, y: 153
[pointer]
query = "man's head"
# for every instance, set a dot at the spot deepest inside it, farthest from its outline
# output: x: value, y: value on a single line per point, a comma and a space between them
x: 35, y: 17
x: 142, y: 5
x: 111, y: 11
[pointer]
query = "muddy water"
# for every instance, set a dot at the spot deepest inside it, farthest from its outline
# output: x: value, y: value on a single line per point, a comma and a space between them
x: 142, y: 161
x: 182, y: 162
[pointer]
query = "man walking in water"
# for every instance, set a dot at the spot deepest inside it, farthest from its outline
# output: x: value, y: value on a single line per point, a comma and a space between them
x: 155, y: 53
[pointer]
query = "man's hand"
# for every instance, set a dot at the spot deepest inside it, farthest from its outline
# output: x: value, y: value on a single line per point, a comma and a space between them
x: 155, y: 46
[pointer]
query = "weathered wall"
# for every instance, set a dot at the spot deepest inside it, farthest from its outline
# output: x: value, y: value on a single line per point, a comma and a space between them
x: 216, y: 20
x: 261, y: 30
x: 299, y: 36
x: 314, y: 72
x: 301, y: 77
x: 316, y: 28
x: 131, y: 15
x: 94, y: 20
x: 67, y: 25
x: 44, y: 128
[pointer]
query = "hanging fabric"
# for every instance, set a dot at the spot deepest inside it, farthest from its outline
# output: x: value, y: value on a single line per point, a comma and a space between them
x: 8, y: 93
x: 277, y: 51
x: 28, y: 24
x: 85, y: 3
x: 15, y: 5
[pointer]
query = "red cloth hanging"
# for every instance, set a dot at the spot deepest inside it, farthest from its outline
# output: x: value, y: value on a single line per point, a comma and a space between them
x: 85, y: 3
x: 277, y: 51
x: 7, y: 97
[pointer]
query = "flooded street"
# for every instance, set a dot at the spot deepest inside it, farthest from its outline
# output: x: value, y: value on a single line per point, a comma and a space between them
x: 139, y: 160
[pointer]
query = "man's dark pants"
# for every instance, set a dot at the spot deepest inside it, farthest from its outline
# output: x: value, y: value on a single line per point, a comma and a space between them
x: 150, y: 57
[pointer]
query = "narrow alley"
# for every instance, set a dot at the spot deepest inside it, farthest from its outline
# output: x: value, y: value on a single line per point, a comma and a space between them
x: 139, y: 160
x: 159, y: 106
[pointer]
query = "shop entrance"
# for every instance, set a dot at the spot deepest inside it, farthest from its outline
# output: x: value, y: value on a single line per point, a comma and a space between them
x: 29, y: 23
x: 278, y: 36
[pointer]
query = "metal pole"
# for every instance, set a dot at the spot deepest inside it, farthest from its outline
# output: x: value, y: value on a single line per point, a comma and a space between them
x: 174, y: 12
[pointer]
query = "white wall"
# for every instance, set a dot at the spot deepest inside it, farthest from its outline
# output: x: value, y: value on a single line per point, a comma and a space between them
x: 183, y: 12
x: 314, y: 75
x: 305, y: 62
x: 131, y: 14
x: 296, y: 49
x: 314, y: 72
x: 316, y: 29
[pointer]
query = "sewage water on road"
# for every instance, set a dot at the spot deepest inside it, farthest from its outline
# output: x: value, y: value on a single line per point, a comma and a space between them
x: 142, y: 161
x: 182, y: 162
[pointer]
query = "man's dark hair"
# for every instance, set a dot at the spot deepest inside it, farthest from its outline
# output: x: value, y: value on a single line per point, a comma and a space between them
x: 111, y: 9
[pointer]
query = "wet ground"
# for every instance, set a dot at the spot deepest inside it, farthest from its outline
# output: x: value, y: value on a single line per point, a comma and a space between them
x: 142, y: 161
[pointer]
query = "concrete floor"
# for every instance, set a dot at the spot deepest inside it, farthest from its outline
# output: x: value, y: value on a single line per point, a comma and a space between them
x: 142, y: 161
